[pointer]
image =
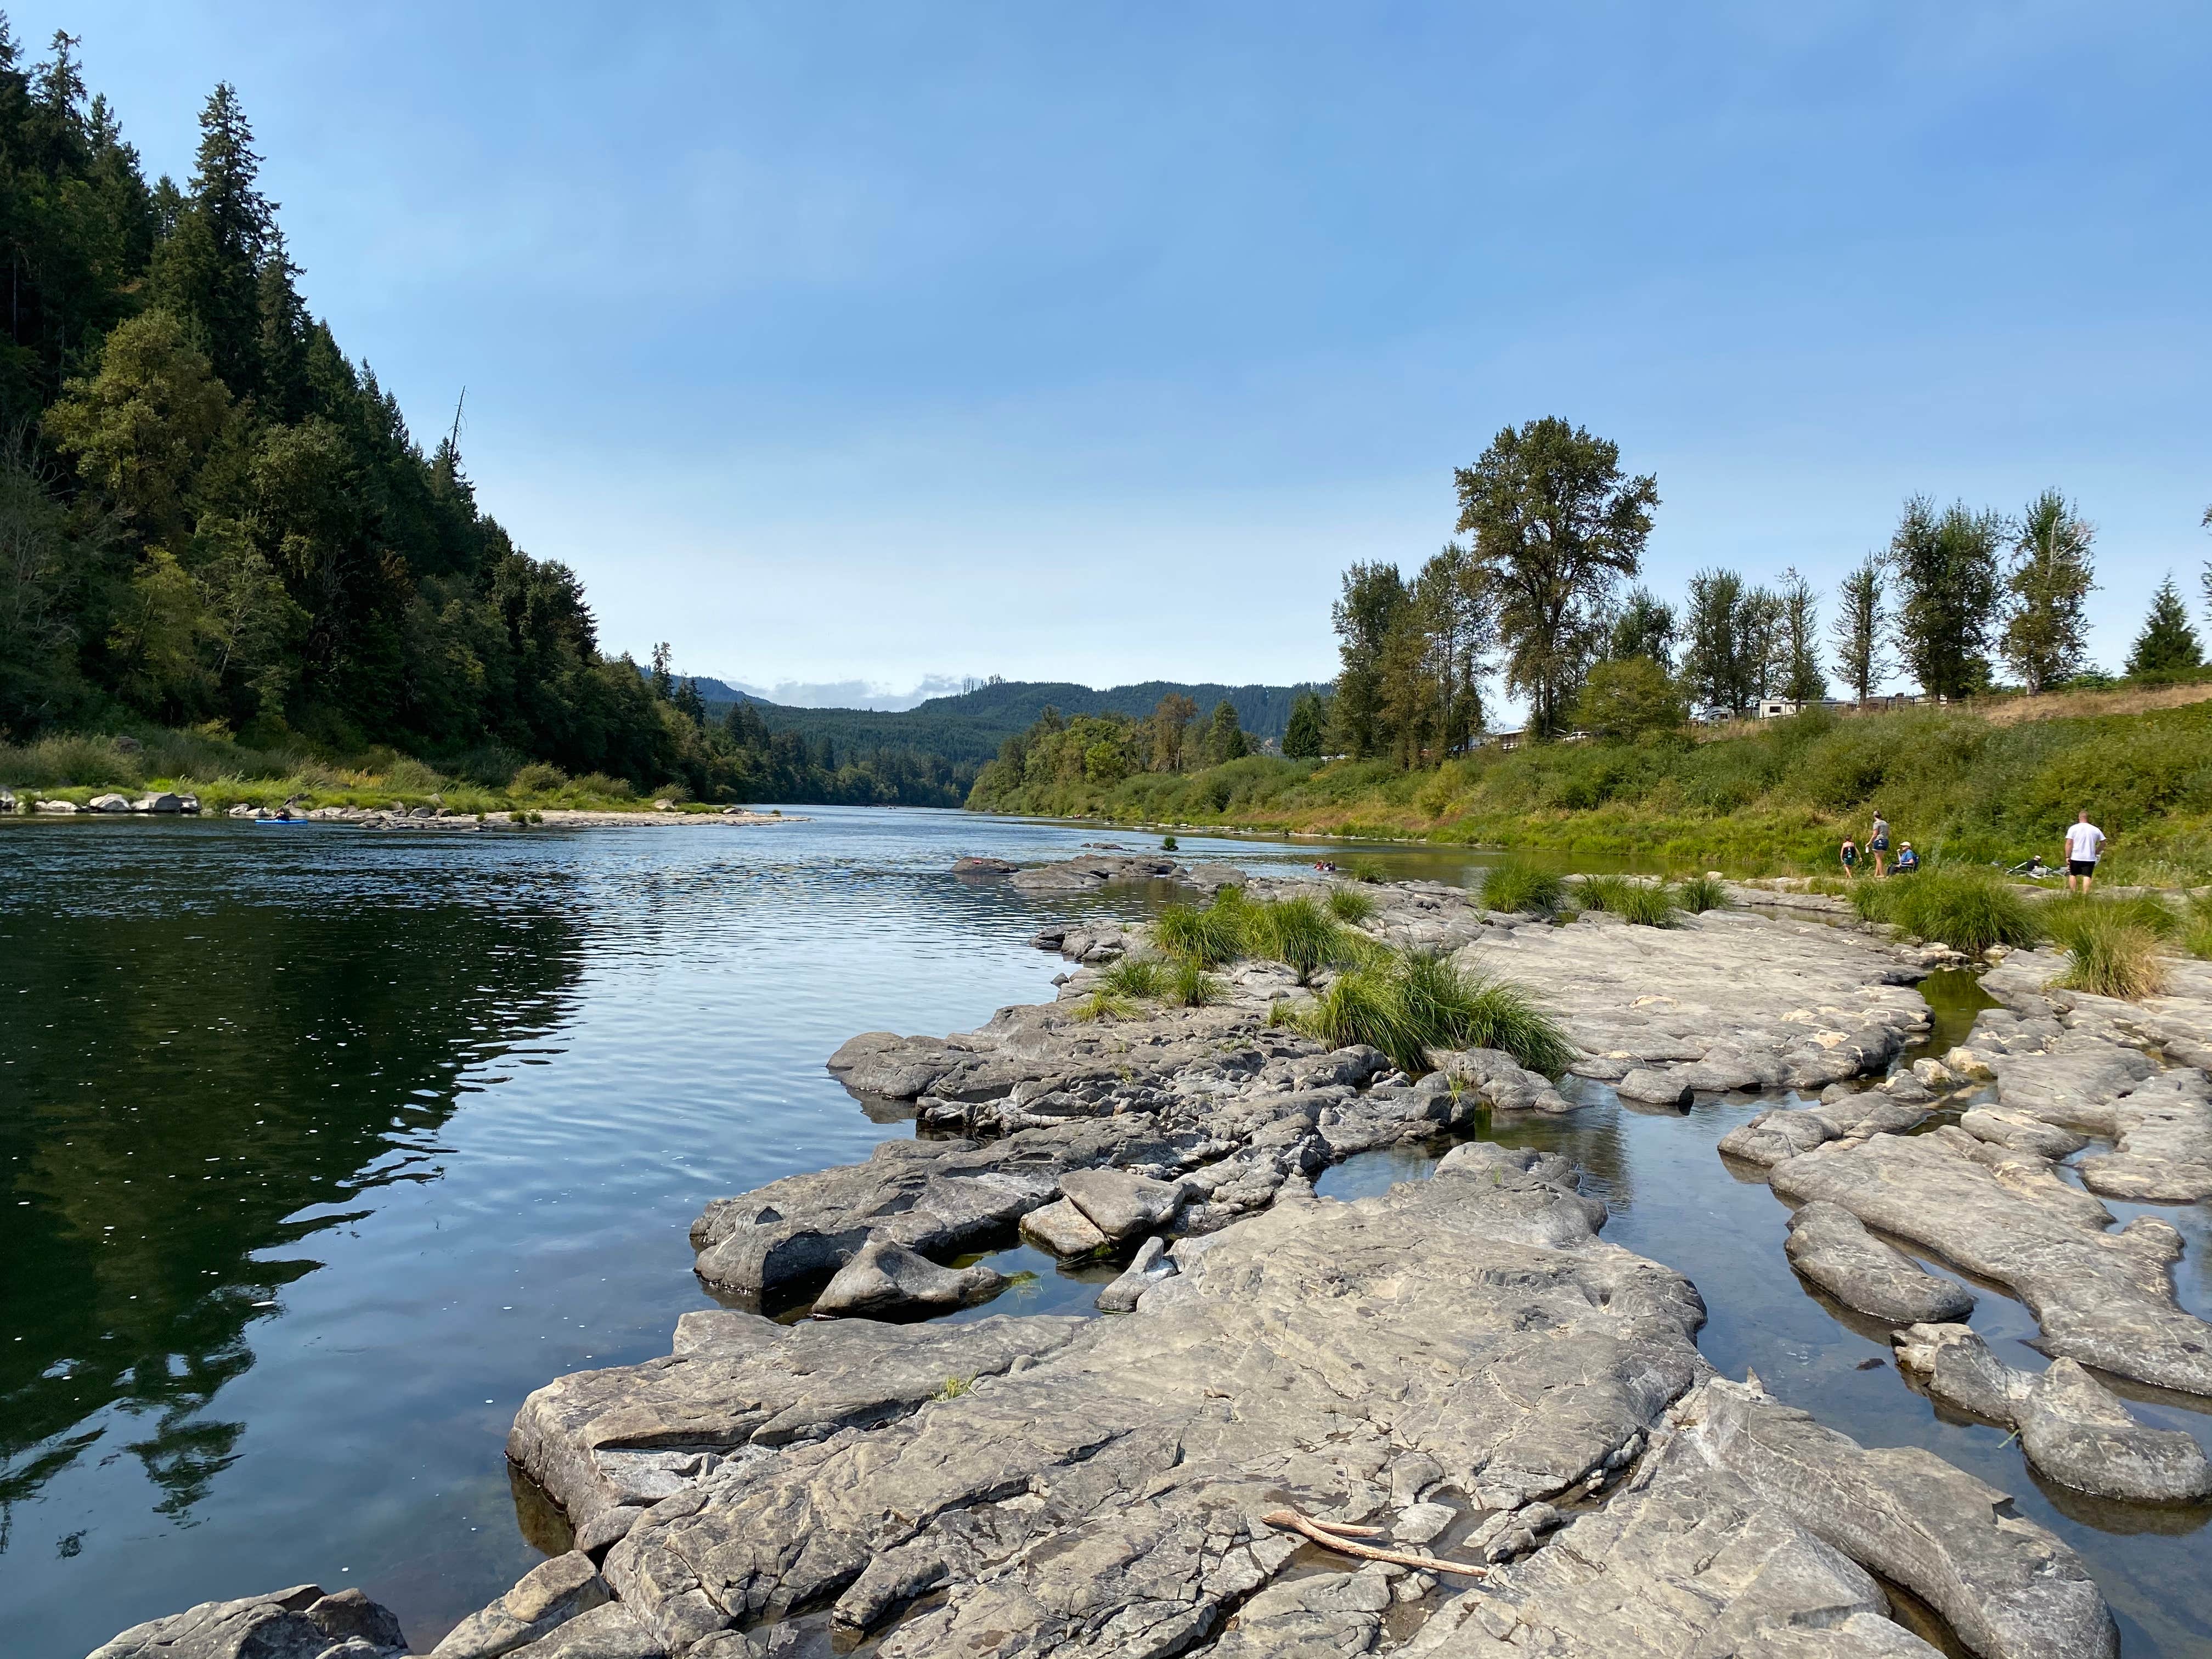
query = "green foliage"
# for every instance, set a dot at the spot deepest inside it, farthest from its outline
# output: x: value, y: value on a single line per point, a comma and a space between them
x: 1210, y: 937
x: 1644, y: 904
x: 1964, y: 908
x: 1418, y: 1002
x: 1349, y: 904
x: 1947, y: 576
x: 1307, y: 736
x: 1519, y: 888
x: 1698, y: 893
x: 1367, y: 870
x: 1302, y: 935
x: 2108, y: 954
x: 1102, y: 1004
x: 2047, y: 632
x: 1628, y: 700
x: 2067, y: 917
x: 1861, y: 629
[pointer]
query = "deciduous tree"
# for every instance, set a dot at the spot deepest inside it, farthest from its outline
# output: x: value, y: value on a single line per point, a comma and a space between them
x: 1862, y: 627
x: 1555, y: 524
x: 1644, y: 628
x: 1946, y: 577
x: 2046, y: 630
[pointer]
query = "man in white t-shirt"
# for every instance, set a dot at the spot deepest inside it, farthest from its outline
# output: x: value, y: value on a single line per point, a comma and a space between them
x: 2084, y: 841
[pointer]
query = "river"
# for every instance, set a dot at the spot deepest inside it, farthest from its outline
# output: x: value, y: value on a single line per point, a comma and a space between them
x: 324, y: 1147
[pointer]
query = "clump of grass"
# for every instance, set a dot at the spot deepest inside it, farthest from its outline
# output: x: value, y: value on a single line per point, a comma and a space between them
x: 2109, y: 956
x: 1648, y: 906
x: 1522, y: 889
x: 1208, y: 937
x: 1367, y: 870
x: 953, y: 1387
x: 2064, y: 917
x: 1871, y: 900
x: 1420, y: 1001
x: 1966, y: 909
x: 1101, y: 1004
x: 1135, y: 976
x: 1189, y: 986
x: 1299, y: 934
x: 1349, y: 904
x: 1698, y: 893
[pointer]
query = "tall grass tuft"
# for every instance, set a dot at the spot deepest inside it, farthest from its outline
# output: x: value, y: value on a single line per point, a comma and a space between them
x: 1966, y: 909
x: 1698, y: 893
x: 1350, y: 904
x: 2109, y: 956
x: 1104, y: 1004
x: 1522, y: 889
x: 1871, y: 900
x: 1367, y: 870
x: 1420, y: 1001
x: 1135, y: 976
x: 1632, y: 900
x: 1189, y: 986
x: 1299, y: 934
x: 2064, y: 917
x: 1208, y: 937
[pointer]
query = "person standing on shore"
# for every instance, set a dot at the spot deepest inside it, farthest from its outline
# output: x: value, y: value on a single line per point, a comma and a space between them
x: 1850, y: 856
x: 1878, y: 842
x: 2085, y: 844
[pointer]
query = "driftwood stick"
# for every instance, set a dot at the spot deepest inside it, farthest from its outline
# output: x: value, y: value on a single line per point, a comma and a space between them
x: 1343, y: 1531
x: 1292, y: 1520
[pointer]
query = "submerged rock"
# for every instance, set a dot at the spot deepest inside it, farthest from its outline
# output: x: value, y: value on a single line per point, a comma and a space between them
x: 1830, y: 1246
x: 2071, y: 1427
x: 299, y: 1623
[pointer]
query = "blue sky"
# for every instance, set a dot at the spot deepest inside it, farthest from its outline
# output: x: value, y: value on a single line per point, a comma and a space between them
x: 865, y: 342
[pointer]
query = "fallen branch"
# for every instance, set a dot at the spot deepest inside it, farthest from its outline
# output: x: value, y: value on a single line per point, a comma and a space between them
x: 1292, y: 1520
x: 1343, y: 1531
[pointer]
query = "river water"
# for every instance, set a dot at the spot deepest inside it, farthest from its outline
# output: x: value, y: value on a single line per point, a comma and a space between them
x: 319, y: 1149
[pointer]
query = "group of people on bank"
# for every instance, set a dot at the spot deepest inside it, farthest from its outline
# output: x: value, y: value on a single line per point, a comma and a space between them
x: 2084, y: 841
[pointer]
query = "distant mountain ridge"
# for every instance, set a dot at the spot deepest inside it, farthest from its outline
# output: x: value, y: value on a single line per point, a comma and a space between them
x: 967, y: 728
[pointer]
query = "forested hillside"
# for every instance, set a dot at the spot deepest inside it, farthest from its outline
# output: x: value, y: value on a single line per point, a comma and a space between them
x: 213, y: 521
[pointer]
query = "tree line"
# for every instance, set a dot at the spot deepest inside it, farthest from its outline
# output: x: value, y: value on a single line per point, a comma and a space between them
x: 1059, y: 759
x: 1541, y: 593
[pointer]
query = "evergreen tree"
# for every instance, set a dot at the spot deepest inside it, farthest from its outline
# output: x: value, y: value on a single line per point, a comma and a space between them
x: 1226, y: 739
x: 1644, y: 628
x: 1947, y: 576
x: 1801, y: 680
x: 1862, y: 627
x: 1555, y: 524
x: 207, y: 269
x: 2046, y: 631
x: 1307, y: 736
x: 691, y: 705
x: 664, y: 680
x: 2168, y: 644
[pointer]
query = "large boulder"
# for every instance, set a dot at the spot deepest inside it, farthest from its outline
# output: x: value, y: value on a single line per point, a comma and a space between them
x: 162, y: 800
x: 110, y: 803
x: 884, y: 1278
x: 299, y: 1623
x: 1120, y: 1204
x: 547, y: 1596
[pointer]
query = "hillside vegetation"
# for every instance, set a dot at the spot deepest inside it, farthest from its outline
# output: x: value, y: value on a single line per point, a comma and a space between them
x: 1777, y: 797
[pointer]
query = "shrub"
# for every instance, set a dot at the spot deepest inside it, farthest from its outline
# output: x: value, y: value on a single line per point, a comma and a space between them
x: 1702, y: 893
x: 2111, y: 956
x: 1521, y: 887
x: 1420, y: 1001
x: 1964, y: 909
x: 1348, y: 904
x: 538, y: 779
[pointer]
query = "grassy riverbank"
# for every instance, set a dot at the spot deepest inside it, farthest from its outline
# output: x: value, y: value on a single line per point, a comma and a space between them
x: 1960, y: 783
x: 224, y: 773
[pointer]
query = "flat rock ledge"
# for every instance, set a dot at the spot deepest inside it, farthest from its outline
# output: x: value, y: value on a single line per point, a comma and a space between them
x: 2102, y: 1297
x: 1830, y: 1246
x: 2071, y: 1427
x: 1462, y: 1362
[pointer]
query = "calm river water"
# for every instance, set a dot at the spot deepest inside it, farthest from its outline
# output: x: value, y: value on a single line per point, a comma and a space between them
x: 319, y: 1149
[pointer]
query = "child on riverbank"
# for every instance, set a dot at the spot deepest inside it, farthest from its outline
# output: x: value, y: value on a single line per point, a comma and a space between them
x: 1850, y: 856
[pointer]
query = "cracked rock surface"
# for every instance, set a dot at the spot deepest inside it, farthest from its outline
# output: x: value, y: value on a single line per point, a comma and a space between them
x: 299, y: 1623
x: 1830, y: 1246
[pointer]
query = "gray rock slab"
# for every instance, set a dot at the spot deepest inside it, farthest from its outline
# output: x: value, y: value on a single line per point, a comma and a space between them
x: 546, y: 1597
x: 1113, y: 1486
x: 2102, y: 1297
x: 2078, y: 1433
x: 1064, y: 1230
x: 2011, y: 1589
x: 1119, y: 1203
x: 1146, y: 1268
x: 610, y: 1632
x: 885, y: 1278
x: 2163, y: 1154
x: 298, y: 1623
x: 2021, y: 1132
x: 1500, y: 1082
x: 1831, y: 1247
x: 1658, y: 1088
x: 1955, y: 1366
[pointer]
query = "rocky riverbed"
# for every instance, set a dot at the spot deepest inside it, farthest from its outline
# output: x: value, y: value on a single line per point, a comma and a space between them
x: 1459, y: 1377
